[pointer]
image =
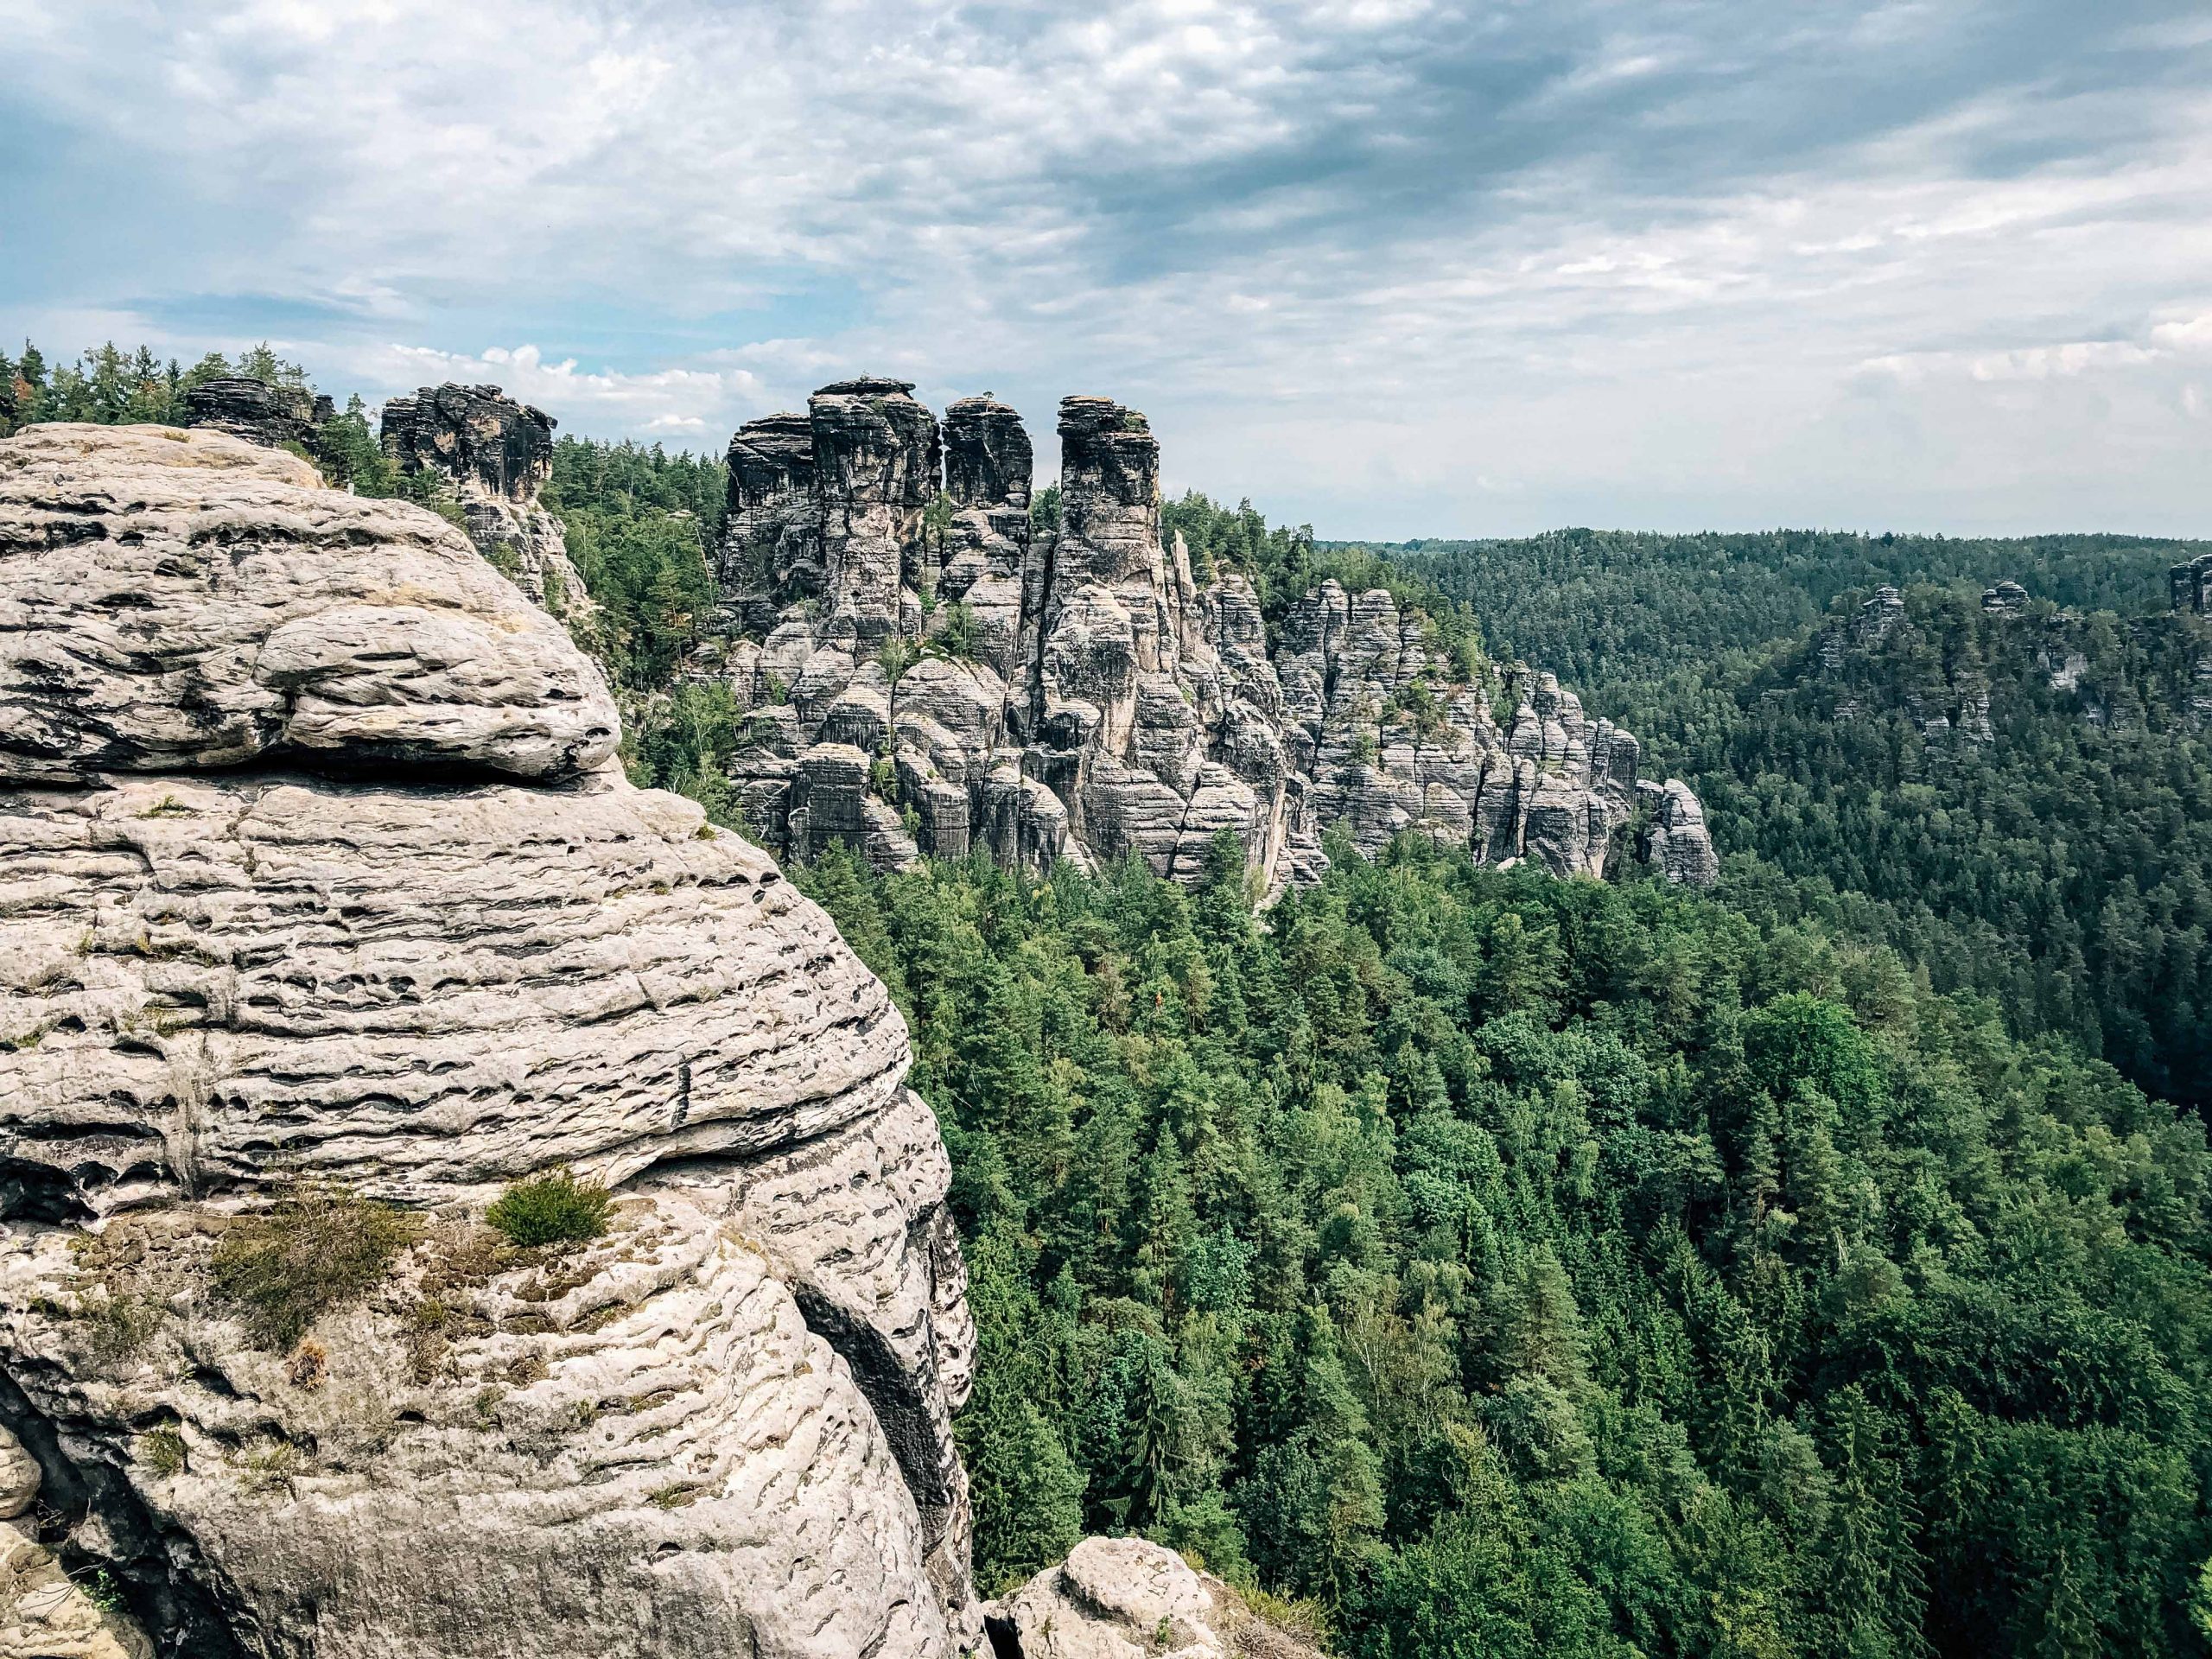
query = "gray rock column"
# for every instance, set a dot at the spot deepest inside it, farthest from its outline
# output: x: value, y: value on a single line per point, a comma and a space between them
x: 876, y: 466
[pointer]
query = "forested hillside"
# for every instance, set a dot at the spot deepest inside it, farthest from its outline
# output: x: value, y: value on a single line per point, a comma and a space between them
x: 1618, y: 612
x: 2048, y: 849
x: 1517, y: 1267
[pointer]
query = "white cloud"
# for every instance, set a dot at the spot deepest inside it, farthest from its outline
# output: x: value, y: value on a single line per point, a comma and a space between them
x: 1404, y: 265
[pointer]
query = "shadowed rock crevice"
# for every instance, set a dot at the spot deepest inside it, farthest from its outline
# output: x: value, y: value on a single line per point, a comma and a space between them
x: 185, y: 1609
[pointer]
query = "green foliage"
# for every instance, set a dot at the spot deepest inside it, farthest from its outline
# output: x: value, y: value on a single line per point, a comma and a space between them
x: 352, y: 457
x: 1607, y: 609
x: 640, y: 524
x: 956, y: 637
x: 1282, y: 563
x: 164, y: 1450
x: 1045, y: 508
x: 316, y: 1248
x: 897, y: 655
x: 1526, y: 1266
x: 555, y: 1208
x: 107, y: 386
x: 2056, y: 865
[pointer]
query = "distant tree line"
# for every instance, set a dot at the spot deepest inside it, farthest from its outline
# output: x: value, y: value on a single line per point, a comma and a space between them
x: 2060, y: 866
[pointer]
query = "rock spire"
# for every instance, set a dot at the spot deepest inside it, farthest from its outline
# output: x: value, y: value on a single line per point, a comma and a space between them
x: 496, y: 455
x: 1078, y: 695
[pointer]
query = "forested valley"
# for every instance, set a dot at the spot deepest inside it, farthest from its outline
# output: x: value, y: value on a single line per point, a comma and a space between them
x: 1476, y: 1264
x: 2018, y: 798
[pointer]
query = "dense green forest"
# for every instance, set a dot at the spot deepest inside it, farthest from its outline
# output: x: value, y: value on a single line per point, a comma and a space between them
x: 2058, y: 865
x: 1523, y: 1266
x: 1611, y: 610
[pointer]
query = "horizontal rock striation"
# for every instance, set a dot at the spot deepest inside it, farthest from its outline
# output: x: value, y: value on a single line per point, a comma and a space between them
x: 1079, y: 695
x: 246, y: 407
x: 180, y: 599
x: 725, y: 1427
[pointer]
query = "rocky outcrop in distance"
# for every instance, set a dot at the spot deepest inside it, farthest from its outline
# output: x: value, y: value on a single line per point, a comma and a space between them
x: 929, y: 682
x: 316, y: 873
x: 1129, y: 1598
x: 246, y: 407
x: 2190, y: 585
x: 1958, y: 688
x: 496, y: 455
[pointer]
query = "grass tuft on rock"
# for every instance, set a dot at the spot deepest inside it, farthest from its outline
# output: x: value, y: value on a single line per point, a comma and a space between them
x: 317, y: 1249
x: 555, y: 1208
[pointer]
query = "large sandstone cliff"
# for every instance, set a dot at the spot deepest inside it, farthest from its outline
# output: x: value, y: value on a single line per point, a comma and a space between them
x: 1069, y: 691
x: 315, y: 869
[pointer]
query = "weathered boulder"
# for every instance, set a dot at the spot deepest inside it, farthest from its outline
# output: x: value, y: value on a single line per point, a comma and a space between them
x: 725, y: 1427
x: 496, y: 454
x: 173, y: 598
x: 1128, y: 1599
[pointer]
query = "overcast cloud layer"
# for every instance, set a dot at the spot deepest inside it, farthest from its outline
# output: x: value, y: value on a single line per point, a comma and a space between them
x: 1394, y: 266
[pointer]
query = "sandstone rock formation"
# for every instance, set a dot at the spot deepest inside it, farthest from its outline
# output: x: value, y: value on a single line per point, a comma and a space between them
x: 1677, y: 843
x: 44, y: 1612
x: 151, y: 618
x: 497, y: 455
x: 1079, y: 695
x: 459, y: 951
x: 1127, y: 1598
x: 245, y: 407
x: 2190, y: 585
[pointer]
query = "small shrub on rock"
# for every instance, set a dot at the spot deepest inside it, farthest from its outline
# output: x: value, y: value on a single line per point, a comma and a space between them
x: 163, y: 1449
x: 317, y: 1249
x: 555, y: 1208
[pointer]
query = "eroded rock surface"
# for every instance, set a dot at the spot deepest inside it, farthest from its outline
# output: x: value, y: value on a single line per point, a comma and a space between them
x: 1128, y: 1599
x: 726, y: 1427
x: 173, y: 598
x: 245, y: 407
x: 1080, y: 695
x: 497, y: 455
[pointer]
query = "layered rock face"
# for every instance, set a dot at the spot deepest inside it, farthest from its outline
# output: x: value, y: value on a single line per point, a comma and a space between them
x: 496, y: 454
x: 150, y: 620
x: 459, y: 951
x: 1081, y: 695
x: 253, y: 409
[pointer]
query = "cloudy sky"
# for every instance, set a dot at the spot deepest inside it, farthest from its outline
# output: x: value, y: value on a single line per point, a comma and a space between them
x: 1395, y: 267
